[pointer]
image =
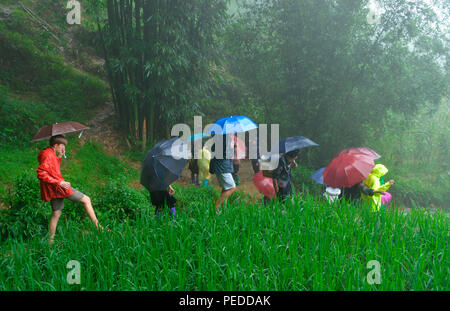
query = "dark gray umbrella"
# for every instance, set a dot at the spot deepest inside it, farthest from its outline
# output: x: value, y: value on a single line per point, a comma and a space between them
x: 294, y: 143
x: 163, y: 164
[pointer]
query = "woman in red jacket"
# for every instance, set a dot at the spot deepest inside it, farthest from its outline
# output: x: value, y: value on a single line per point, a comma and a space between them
x: 53, y: 186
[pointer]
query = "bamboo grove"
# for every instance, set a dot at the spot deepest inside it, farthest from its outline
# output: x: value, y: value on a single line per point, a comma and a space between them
x: 157, y: 54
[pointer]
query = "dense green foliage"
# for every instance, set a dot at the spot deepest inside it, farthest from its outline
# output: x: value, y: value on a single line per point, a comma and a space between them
x: 416, y: 150
x: 158, y: 56
x: 27, y: 216
x: 321, y: 70
x: 53, y: 91
x: 306, y: 246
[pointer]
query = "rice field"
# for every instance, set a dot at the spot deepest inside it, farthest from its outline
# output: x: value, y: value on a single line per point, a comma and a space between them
x: 304, y: 245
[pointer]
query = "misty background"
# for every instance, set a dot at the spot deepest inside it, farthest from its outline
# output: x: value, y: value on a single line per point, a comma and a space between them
x: 342, y: 73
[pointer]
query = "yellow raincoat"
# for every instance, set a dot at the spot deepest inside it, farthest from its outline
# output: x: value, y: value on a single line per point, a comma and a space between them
x: 203, y: 164
x: 373, y: 181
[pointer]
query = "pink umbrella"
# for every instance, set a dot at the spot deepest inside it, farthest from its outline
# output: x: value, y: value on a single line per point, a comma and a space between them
x: 264, y: 185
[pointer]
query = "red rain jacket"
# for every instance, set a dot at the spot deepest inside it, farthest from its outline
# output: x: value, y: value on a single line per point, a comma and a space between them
x: 49, y: 175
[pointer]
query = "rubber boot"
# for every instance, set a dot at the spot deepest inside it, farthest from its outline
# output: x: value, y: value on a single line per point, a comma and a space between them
x: 205, y: 183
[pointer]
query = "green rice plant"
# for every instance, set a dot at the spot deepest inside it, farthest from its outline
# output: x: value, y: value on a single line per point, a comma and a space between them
x: 306, y: 244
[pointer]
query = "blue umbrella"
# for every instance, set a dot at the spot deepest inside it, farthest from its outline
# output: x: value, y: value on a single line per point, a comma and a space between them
x: 161, y: 166
x: 237, y: 124
x: 198, y: 136
x: 318, y: 176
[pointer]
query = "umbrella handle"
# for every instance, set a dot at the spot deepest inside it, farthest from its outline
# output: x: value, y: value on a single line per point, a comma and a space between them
x: 81, y: 133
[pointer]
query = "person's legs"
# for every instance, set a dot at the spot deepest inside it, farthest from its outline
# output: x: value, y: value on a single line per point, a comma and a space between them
x: 196, y: 182
x: 223, y: 197
x: 86, y: 201
x: 57, y: 206
x: 53, y: 224
x: 236, y: 172
x: 171, y: 203
x: 77, y: 196
x: 282, y: 194
x: 227, y: 183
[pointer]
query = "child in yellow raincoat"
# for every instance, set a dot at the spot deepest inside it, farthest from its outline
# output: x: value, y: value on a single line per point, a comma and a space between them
x: 373, y: 181
x: 203, y: 166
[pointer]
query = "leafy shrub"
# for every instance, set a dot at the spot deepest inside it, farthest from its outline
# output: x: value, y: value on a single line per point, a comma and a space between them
x: 28, y: 215
x: 119, y: 202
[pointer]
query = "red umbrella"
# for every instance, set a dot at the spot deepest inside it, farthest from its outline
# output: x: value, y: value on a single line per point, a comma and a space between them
x: 363, y: 150
x: 58, y: 129
x: 347, y: 169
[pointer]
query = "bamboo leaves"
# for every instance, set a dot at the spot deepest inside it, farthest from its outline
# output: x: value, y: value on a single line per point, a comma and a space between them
x: 159, y: 56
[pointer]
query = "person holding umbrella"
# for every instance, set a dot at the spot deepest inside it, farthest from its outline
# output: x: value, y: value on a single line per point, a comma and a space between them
x: 53, y: 186
x: 161, y: 198
x: 348, y: 170
x: 281, y: 176
x: 290, y: 148
x: 193, y: 167
x: 223, y: 167
x: 162, y: 166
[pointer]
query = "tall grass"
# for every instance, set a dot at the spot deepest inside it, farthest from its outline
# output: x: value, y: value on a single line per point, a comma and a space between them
x: 307, y: 245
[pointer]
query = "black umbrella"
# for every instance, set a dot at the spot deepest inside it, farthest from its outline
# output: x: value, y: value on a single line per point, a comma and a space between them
x: 163, y: 164
x: 294, y: 143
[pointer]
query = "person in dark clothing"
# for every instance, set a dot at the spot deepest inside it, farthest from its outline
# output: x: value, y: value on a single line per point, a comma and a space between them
x: 193, y: 167
x: 354, y: 192
x: 281, y: 176
x: 163, y: 198
x: 253, y: 144
x: 255, y: 165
